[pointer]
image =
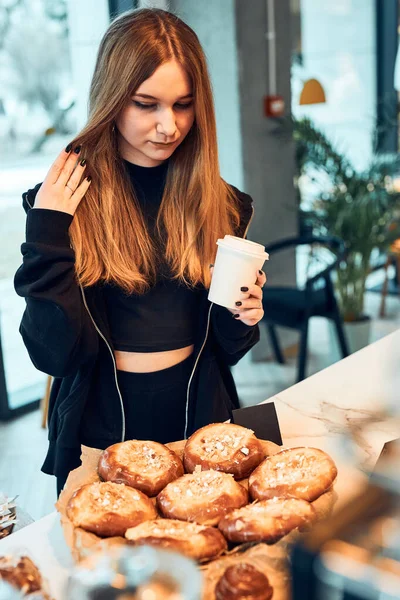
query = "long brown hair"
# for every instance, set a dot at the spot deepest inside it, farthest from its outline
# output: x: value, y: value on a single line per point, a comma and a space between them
x: 108, y: 232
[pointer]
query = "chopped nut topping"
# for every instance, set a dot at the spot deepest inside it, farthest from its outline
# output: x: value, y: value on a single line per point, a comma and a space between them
x: 142, y: 453
x: 199, y: 484
x: 215, y: 445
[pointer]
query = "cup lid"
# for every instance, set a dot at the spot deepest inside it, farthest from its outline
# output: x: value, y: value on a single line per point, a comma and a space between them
x: 243, y: 246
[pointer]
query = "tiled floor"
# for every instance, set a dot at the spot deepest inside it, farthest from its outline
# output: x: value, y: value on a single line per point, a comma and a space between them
x: 23, y: 443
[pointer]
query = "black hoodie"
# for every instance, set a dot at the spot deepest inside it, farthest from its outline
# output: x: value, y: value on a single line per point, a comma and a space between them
x: 65, y: 330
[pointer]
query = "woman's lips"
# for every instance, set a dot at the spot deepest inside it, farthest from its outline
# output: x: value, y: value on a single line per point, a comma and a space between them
x: 163, y: 144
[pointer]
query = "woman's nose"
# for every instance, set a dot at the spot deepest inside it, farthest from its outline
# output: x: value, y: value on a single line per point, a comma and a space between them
x: 167, y: 124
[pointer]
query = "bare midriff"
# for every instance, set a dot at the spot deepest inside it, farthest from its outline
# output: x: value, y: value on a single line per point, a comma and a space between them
x: 147, y: 362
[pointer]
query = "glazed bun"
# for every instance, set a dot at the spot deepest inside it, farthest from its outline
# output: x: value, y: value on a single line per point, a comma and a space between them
x: 146, y: 466
x: 305, y: 473
x: 223, y: 447
x: 22, y: 574
x: 203, y: 497
x: 196, y: 541
x: 243, y: 581
x: 266, y: 521
x: 109, y: 509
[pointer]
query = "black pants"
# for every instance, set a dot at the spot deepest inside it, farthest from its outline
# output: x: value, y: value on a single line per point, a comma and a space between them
x: 154, y: 403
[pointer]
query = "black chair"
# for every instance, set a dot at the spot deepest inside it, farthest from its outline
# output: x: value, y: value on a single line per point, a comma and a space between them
x: 294, y: 306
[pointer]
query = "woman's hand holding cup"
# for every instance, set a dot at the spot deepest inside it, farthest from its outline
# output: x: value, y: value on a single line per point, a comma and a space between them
x: 249, y: 308
x: 63, y: 189
x: 237, y: 278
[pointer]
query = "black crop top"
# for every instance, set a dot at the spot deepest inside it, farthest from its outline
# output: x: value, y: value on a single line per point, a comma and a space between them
x: 163, y: 318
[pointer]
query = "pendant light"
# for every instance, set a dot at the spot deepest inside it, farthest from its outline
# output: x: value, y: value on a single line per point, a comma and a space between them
x: 312, y: 93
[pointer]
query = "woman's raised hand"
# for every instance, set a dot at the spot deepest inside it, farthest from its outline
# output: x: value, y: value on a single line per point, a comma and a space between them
x: 63, y: 189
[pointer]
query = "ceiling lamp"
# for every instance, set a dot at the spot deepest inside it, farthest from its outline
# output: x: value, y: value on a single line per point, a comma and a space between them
x: 312, y: 93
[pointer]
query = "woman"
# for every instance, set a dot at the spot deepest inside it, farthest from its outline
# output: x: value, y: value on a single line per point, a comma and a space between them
x: 119, y: 241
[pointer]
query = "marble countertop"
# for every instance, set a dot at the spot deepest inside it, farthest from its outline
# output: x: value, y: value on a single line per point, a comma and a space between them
x: 350, y: 410
x: 44, y: 543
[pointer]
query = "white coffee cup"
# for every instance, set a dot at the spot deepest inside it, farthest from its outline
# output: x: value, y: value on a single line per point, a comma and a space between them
x: 236, y: 266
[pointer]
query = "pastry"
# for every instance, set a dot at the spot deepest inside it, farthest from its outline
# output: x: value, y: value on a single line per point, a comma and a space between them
x: 202, y: 497
x: 21, y: 573
x: 243, y: 582
x: 109, y: 509
x: 146, y: 466
x: 223, y: 447
x: 266, y: 521
x: 199, y: 542
x: 298, y: 472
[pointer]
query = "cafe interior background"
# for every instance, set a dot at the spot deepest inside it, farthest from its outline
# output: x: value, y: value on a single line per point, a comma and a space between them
x: 307, y: 105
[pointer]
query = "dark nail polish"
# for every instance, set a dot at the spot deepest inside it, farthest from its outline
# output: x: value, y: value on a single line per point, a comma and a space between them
x: 83, y: 162
x: 244, y: 289
x: 211, y: 265
x: 260, y: 271
x: 89, y: 178
x: 77, y: 149
x: 68, y: 148
x: 238, y: 303
x: 236, y: 316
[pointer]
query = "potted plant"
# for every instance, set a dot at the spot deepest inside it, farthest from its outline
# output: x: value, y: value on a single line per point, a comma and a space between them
x: 360, y: 207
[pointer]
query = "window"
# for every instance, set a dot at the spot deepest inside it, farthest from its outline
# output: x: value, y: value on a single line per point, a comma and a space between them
x: 37, y: 118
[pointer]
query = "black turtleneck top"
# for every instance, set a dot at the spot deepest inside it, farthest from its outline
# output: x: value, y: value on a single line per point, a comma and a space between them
x: 164, y: 317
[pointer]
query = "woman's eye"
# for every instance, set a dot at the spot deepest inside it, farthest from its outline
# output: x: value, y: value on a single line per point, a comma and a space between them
x: 178, y: 105
x: 143, y: 106
x: 183, y: 106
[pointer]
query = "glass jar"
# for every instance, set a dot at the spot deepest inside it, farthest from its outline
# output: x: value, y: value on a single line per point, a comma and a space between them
x: 141, y: 573
x: 8, y: 593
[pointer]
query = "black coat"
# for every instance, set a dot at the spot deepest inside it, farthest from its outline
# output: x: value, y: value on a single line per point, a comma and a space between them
x: 66, y: 332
